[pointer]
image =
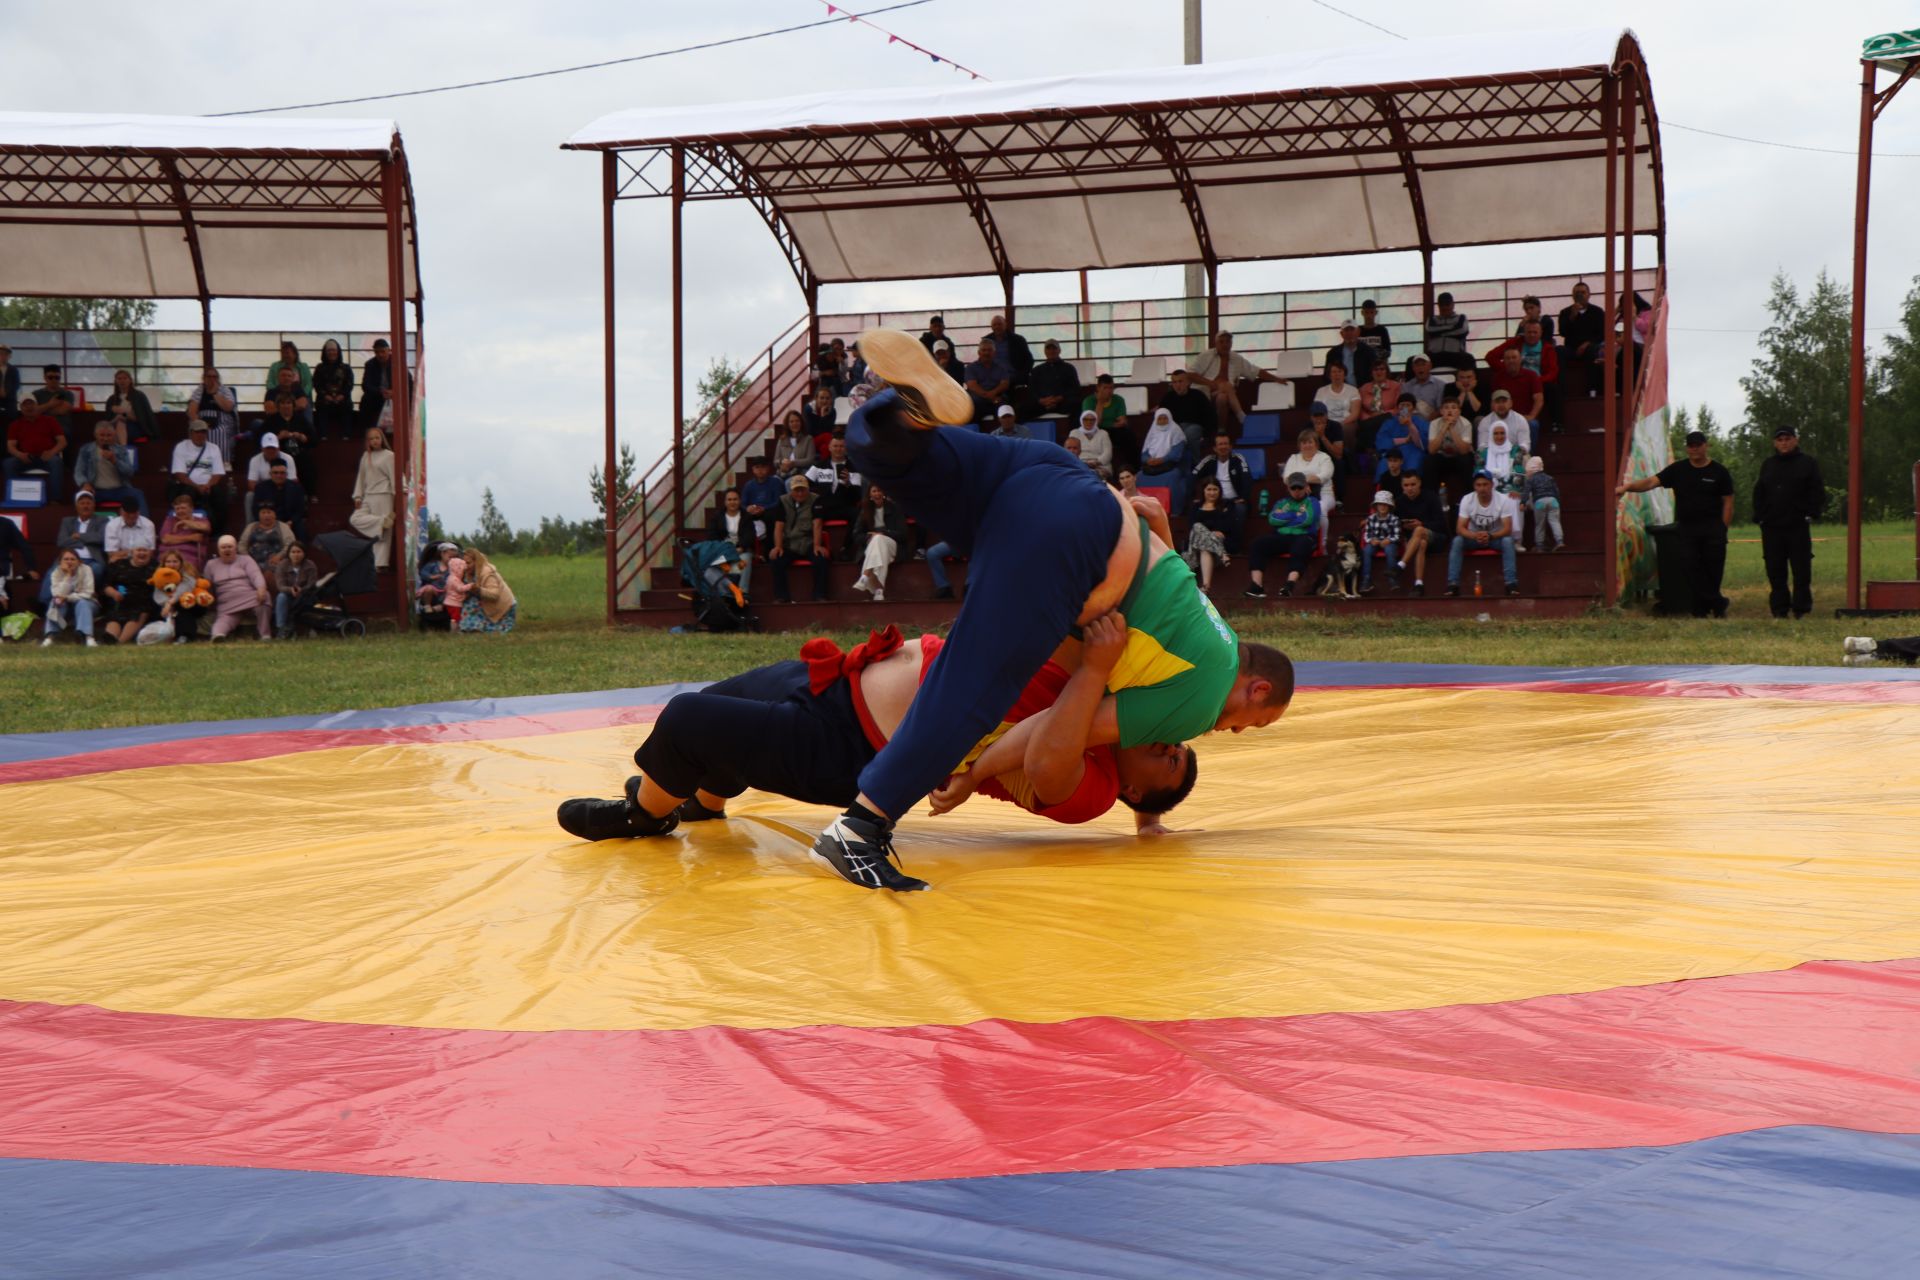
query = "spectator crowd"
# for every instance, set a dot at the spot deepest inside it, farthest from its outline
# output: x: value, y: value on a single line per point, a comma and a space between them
x: 1449, y: 443
x: 229, y: 543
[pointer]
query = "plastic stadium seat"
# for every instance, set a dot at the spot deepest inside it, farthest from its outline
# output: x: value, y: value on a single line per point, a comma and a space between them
x: 1146, y: 370
x: 842, y: 410
x: 1260, y: 428
x: 1047, y: 429
x: 1256, y: 460
x: 1273, y: 397
x: 1293, y: 364
x: 1163, y: 494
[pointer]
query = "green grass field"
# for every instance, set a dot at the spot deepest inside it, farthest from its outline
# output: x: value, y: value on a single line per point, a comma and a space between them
x: 562, y: 644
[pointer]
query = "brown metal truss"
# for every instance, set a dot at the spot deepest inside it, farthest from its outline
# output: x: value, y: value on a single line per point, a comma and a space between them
x: 1146, y: 147
x: 1162, y: 139
x: 1397, y: 126
x: 938, y: 146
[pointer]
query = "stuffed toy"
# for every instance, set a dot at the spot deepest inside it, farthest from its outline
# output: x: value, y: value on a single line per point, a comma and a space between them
x: 202, y: 593
x: 165, y: 576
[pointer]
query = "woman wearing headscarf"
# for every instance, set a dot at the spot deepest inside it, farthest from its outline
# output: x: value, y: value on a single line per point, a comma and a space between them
x: 1096, y: 446
x: 1505, y: 461
x: 1161, y: 454
x: 373, y: 492
x: 496, y: 610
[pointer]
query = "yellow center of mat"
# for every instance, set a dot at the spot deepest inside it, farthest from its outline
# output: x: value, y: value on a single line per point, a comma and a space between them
x: 1375, y: 850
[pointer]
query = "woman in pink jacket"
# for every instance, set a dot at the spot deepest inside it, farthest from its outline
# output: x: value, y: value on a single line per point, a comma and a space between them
x: 239, y: 588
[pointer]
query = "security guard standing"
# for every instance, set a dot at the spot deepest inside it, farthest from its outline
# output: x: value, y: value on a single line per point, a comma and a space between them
x: 1787, y: 498
x: 1702, y: 510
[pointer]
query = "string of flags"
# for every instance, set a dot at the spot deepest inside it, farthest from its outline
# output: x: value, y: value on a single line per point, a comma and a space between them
x: 835, y: 11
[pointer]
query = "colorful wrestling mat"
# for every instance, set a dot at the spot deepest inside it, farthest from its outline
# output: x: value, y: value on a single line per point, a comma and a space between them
x: 1464, y: 972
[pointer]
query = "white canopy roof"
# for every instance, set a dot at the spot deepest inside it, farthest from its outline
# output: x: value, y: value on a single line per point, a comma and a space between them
x: 1421, y: 144
x: 190, y: 207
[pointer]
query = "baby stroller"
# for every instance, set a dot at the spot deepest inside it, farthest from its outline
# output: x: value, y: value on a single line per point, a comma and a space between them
x: 322, y: 607
x: 712, y: 569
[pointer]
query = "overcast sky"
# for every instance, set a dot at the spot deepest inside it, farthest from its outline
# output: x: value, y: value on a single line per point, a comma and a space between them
x: 510, y: 224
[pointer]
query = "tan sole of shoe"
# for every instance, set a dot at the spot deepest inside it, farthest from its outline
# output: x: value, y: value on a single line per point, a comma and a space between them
x: 932, y: 398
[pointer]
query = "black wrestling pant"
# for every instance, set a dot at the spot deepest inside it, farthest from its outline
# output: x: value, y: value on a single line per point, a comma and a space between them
x: 1788, y: 548
x: 1706, y: 547
x: 762, y: 729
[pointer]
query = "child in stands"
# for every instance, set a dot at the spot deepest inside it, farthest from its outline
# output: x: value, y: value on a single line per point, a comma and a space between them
x: 1382, y: 534
x: 1542, y: 496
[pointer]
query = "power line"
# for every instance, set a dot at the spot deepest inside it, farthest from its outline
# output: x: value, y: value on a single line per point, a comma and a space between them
x: 834, y: 10
x: 585, y: 66
x: 1671, y: 124
x: 1357, y: 18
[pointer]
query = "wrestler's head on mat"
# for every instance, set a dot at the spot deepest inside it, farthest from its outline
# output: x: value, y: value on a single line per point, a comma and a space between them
x: 1154, y: 776
x: 1260, y: 692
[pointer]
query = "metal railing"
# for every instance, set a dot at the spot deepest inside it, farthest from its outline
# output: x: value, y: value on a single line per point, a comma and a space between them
x: 167, y: 363
x: 1105, y: 337
x: 724, y: 433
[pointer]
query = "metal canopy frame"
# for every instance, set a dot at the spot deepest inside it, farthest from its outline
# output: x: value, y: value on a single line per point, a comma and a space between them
x: 197, y: 190
x: 1601, y: 112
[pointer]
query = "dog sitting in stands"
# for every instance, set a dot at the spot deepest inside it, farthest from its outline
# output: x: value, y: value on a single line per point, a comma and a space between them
x: 1342, y: 577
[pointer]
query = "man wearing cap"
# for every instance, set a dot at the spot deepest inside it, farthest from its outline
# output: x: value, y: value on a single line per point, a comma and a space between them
x: 1375, y: 334
x: 1703, y: 510
x: 260, y: 466
x: 797, y: 535
x: 1519, y: 432
x: 199, y: 470
x: 1427, y: 391
x: 1055, y: 384
x: 1487, y: 521
x: 1446, y: 334
x: 105, y: 468
x: 1355, y: 357
x: 1296, y: 521
x: 936, y: 335
x: 1007, y: 423
x: 1221, y: 370
x: 1787, y: 498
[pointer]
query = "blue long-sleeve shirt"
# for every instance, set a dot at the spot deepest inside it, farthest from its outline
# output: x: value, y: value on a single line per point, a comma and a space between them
x: 1295, y: 516
x: 86, y: 469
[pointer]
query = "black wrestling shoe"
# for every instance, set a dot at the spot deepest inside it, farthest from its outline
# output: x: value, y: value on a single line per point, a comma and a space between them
x: 928, y: 394
x: 861, y: 852
x: 613, y: 819
x: 691, y: 810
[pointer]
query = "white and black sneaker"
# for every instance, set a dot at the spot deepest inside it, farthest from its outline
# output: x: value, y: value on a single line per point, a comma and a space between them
x: 861, y: 852
x: 1858, y: 644
x: 590, y: 819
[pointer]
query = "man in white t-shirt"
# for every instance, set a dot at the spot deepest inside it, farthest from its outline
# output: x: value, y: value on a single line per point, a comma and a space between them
x: 200, y: 471
x: 1518, y: 432
x: 1487, y: 523
x: 131, y: 530
x: 1221, y: 369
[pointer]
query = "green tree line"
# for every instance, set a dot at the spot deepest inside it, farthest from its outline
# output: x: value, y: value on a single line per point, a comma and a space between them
x: 1799, y: 378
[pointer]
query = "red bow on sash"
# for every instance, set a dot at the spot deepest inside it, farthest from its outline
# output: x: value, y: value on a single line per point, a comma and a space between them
x: 825, y: 662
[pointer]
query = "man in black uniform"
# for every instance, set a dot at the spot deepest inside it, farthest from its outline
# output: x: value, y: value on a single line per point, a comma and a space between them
x: 1787, y: 498
x: 1703, y: 509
